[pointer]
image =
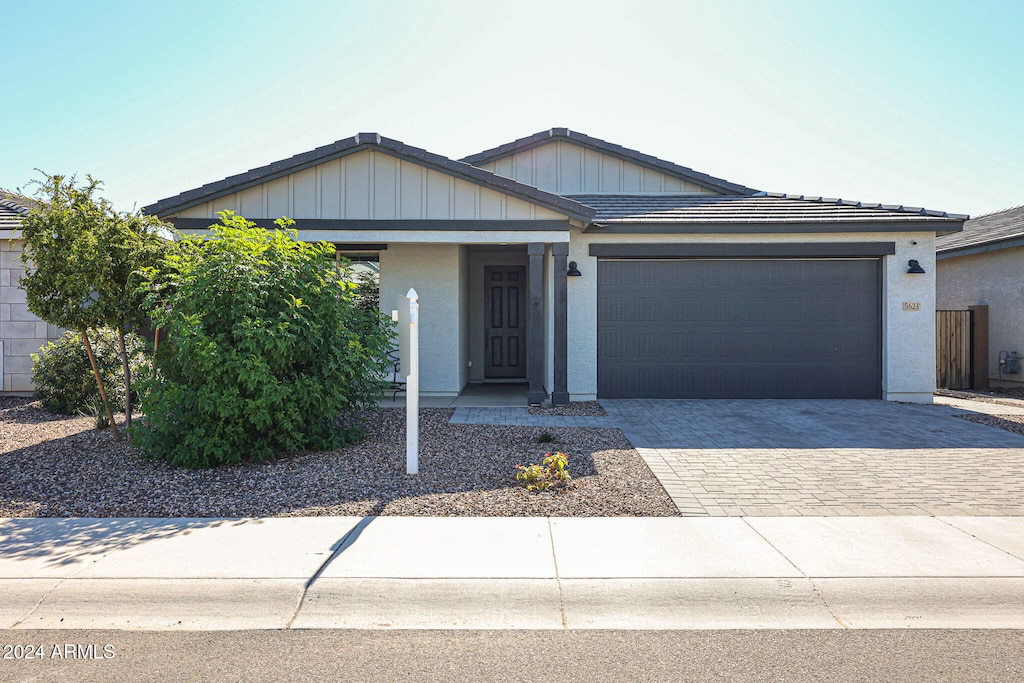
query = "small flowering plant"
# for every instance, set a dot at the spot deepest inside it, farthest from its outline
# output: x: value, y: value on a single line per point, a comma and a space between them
x: 552, y: 472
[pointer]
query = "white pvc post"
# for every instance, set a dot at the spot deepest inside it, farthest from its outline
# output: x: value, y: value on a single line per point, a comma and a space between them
x: 412, y: 388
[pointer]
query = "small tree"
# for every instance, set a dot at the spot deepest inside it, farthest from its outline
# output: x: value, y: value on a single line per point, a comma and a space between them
x: 265, y: 351
x: 82, y: 262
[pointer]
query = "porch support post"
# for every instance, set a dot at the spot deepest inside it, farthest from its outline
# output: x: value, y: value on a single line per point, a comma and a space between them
x: 535, y: 344
x: 560, y: 392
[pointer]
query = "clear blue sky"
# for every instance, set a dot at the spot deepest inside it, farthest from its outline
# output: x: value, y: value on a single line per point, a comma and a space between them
x: 910, y: 102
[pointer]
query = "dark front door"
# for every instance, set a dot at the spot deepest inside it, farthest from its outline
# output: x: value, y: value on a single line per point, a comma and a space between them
x: 504, y: 322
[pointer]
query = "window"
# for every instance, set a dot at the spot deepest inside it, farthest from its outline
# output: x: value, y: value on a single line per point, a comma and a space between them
x: 363, y: 268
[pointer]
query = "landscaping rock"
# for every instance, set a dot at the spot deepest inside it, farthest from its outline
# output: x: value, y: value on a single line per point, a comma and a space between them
x: 54, y: 466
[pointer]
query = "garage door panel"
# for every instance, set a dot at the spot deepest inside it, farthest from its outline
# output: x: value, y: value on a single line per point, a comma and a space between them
x: 786, y: 308
x: 753, y: 310
x: 715, y: 309
x: 793, y: 328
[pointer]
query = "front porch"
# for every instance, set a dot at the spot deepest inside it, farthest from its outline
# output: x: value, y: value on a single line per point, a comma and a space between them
x: 475, y: 395
x: 491, y: 314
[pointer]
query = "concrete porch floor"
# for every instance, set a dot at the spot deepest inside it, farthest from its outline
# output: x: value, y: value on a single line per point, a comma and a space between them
x: 501, y: 395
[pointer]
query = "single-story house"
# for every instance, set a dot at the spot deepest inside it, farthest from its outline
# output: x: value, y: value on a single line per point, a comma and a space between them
x: 22, y: 333
x: 590, y: 270
x: 984, y: 266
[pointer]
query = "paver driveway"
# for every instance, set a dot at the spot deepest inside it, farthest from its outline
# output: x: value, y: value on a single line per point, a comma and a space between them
x: 794, y: 457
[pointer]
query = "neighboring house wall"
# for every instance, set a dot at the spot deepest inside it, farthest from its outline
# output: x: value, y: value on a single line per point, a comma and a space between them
x: 993, y: 279
x: 22, y: 333
x: 566, y: 168
x: 908, y: 337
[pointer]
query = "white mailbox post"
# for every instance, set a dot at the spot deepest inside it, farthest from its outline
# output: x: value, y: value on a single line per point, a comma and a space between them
x: 409, y: 368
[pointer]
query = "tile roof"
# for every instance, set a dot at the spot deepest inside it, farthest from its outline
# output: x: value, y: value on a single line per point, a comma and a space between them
x: 358, y: 143
x: 631, y: 155
x: 763, y: 207
x: 983, y: 233
x: 13, y: 209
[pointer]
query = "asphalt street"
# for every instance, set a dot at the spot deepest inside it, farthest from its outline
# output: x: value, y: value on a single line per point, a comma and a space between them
x: 908, y: 656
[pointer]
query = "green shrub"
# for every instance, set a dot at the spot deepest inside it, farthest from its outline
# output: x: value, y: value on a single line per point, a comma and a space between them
x: 266, y: 349
x: 63, y: 377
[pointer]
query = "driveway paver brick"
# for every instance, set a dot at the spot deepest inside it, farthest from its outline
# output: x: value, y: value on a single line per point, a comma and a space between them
x: 815, y: 457
x: 824, y: 458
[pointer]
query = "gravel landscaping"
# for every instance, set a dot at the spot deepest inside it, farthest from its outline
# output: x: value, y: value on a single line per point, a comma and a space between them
x: 574, y: 409
x: 57, y: 466
x: 1009, y: 423
x: 1008, y: 397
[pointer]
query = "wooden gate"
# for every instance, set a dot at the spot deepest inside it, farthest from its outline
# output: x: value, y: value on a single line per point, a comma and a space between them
x: 954, y: 342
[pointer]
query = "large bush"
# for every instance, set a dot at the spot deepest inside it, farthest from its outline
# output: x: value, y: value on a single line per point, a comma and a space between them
x: 63, y: 376
x: 266, y: 349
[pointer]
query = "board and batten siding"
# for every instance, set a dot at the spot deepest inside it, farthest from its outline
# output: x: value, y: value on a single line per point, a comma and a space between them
x: 371, y: 185
x: 565, y: 168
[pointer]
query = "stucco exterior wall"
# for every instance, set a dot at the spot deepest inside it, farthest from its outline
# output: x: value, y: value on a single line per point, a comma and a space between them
x: 908, y: 337
x: 992, y: 279
x: 438, y: 274
x: 21, y: 332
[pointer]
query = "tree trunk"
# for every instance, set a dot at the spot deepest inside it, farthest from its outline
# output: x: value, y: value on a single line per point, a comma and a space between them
x: 99, y: 385
x: 126, y: 368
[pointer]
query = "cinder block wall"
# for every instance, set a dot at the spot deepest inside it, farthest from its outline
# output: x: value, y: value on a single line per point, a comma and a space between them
x: 21, y: 332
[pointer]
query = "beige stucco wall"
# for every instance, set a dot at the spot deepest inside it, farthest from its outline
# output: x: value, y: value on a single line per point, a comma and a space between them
x: 992, y: 279
x: 908, y: 337
x: 438, y: 274
x: 21, y: 332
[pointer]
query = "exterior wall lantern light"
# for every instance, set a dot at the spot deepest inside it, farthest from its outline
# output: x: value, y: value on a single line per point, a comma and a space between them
x: 915, y: 267
x: 575, y: 272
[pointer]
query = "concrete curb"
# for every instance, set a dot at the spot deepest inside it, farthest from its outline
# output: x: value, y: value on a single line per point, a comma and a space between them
x: 514, y: 573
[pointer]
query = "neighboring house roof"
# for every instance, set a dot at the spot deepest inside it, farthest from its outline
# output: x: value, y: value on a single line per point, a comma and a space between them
x: 13, y: 210
x: 991, y: 231
x: 359, y: 143
x: 631, y: 155
x: 761, y: 208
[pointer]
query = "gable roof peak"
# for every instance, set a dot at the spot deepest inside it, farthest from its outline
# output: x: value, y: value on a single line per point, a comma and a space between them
x: 357, y: 143
x: 610, y: 148
x: 369, y: 138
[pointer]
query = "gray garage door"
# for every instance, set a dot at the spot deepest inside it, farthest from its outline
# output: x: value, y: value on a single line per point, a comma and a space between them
x: 758, y: 328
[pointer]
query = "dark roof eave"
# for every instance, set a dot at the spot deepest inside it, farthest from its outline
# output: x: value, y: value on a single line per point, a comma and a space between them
x: 934, y: 225
x: 624, y: 153
x: 358, y: 143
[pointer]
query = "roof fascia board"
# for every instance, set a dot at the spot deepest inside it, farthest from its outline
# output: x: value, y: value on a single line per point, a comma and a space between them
x: 200, y: 224
x: 932, y: 226
x: 744, y: 250
x: 624, y: 153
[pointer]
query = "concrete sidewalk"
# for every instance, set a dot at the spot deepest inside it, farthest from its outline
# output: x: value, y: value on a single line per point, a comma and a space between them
x: 511, y: 573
